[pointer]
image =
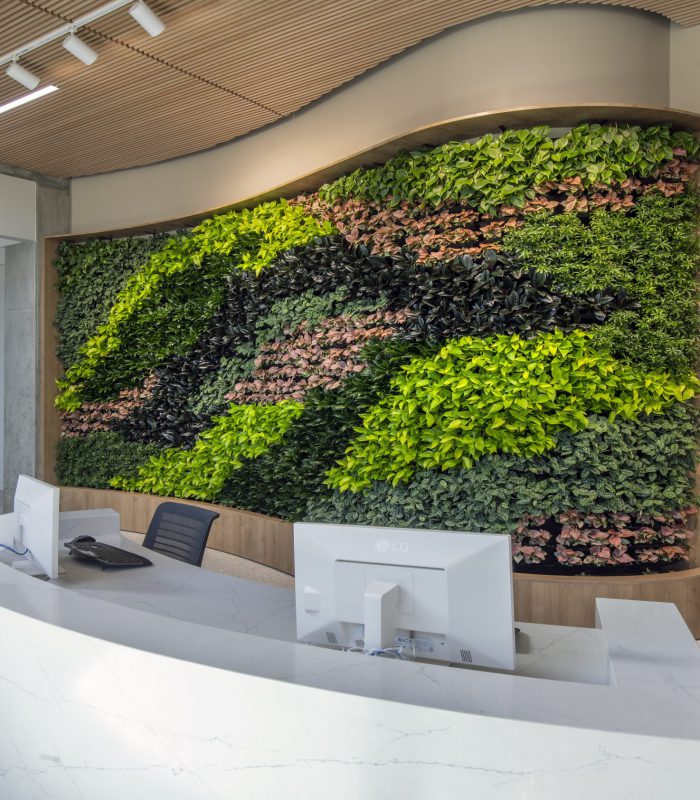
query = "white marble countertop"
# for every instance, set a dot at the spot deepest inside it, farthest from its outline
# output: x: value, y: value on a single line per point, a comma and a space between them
x: 184, y: 612
x: 112, y: 686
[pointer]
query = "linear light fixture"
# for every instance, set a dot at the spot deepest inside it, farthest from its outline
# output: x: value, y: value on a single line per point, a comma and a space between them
x: 152, y: 24
x: 79, y: 49
x: 27, y: 98
x: 18, y: 73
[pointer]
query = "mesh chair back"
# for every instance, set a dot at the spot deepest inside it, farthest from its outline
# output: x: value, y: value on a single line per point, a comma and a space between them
x: 180, y: 531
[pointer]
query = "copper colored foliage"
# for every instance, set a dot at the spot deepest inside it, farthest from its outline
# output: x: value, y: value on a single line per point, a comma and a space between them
x: 607, y: 539
x: 451, y: 230
x: 100, y: 416
x: 286, y: 370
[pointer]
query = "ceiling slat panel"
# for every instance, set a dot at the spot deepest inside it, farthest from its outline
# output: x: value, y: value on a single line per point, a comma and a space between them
x: 220, y: 70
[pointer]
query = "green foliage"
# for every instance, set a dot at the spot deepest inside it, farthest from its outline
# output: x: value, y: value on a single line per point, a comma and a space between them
x: 537, y: 420
x: 627, y: 465
x: 165, y: 305
x: 212, y: 394
x: 502, y: 393
x: 245, y: 432
x: 505, y: 169
x: 310, y: 308
x: 652, y: 254
x: 93, y: 460
x: 290, y: 474
x: 90, y: 276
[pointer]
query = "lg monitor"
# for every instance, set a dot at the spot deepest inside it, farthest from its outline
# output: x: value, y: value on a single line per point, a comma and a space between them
x: 446, y: 595
x: 36, y: 516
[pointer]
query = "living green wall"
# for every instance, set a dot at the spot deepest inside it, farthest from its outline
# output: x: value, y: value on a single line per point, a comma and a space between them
x: 492, y: 335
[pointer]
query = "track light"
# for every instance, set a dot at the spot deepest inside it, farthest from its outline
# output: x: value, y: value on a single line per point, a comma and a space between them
x: 79, y: 49
x: 146, y: 18
x: 21, y: 75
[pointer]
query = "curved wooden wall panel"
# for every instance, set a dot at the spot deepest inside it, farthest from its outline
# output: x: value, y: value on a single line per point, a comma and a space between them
x: 256, y: 537
x: 547, y: 599
x: 563, y: 600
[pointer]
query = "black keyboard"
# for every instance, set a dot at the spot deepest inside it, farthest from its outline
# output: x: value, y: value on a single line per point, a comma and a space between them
x: 107, y: 555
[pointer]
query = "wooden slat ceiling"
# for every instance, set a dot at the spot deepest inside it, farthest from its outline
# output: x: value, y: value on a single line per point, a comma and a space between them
x: 222, y: 68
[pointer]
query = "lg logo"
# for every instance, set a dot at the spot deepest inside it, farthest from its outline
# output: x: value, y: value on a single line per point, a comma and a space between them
x: 385, y: 546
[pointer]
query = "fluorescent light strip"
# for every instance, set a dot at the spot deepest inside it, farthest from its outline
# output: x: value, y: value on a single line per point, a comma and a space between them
x: 20, y: 101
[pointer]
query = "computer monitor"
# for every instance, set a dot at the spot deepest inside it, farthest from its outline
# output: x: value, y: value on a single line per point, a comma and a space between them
x: 448, y: 594
x: 36, y: 510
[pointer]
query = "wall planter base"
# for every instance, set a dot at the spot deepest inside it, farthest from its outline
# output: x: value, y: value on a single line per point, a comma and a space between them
x: 265, y: 540
x: 548, y: 599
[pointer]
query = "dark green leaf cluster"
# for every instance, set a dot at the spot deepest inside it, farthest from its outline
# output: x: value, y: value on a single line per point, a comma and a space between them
x: 90, y: 276
x: 506, y: 169
x: 626, y: 465
x: 310, y: 308
x: 179, y: 308
x: 93, y: 460
x: 175, y: 292
x: 651, y: 253
x: 448, y: 300
x: 211, y: 398
x: 286, y: 478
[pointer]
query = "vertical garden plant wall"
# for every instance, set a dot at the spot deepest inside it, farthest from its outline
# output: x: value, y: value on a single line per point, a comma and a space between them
x: 498, y: 335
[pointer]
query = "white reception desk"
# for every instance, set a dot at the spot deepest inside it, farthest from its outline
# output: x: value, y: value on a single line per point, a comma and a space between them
x: 174, y: 682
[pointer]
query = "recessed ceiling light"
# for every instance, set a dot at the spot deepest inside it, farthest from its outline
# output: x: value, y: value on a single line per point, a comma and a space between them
x: 18, y: 73
x: 146, y: 18
x: 79, y: 49
x: 20, y: 101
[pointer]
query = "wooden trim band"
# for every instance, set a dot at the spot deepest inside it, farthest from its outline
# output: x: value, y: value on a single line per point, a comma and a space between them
x: 548, y: 599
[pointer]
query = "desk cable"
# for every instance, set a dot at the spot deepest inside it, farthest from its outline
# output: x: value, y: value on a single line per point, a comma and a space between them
x: 12, y: 550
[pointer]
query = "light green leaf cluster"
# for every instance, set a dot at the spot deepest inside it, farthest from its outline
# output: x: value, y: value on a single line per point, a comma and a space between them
x: 505, y: 169
x: 497, y: 394
x: 640, y: 465
x: 250, y: 239
x: 244, y: 432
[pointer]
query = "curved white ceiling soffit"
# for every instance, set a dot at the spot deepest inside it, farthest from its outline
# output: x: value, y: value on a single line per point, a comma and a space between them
x: 452, y: 86
x: 220, y: 70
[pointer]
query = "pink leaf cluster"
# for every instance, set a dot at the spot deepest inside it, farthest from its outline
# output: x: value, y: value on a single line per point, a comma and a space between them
x: 100, y: 416
x: 456, y: 229
x: 528, y: 554
x: 324, y: 357
x: 610, y: 538
x: 654, y: 555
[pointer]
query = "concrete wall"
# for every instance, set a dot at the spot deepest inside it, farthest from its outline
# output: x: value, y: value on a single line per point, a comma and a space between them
x: 555, y: 55
x: 17, y: 209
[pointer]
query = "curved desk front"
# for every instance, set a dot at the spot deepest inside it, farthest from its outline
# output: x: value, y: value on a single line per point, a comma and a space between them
x: 171, y: 681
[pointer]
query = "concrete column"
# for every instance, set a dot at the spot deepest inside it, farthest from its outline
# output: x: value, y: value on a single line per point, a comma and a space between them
x: 2, y: 377
x: 20, y: 364
x: 21, y: 336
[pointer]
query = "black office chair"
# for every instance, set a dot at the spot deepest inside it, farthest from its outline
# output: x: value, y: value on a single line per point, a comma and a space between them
x: 180, y: 531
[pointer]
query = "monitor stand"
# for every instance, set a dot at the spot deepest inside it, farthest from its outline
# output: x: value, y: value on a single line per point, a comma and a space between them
x: 29, y: 567
x: 381, y: 604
